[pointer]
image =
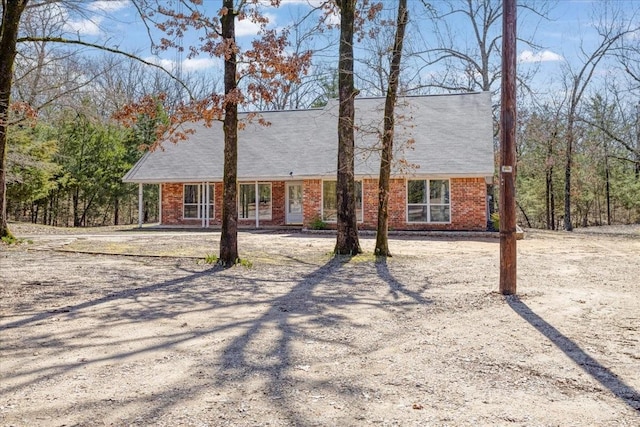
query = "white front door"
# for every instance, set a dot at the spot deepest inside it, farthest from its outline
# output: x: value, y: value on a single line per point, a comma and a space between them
x: 294, y: 203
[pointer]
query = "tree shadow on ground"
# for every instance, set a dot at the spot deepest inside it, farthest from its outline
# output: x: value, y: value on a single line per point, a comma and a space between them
x: 314, y: 301
x: 301, y: 302
x: 107, y: 316
x: 395, y: 286
x: 590, y: 365
x: 126, y: 293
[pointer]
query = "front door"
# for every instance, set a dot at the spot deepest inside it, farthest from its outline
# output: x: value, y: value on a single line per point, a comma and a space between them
x: 294, y: 203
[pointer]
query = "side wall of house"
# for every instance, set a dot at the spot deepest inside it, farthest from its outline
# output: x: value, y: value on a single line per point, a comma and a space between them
x: 467, y: 195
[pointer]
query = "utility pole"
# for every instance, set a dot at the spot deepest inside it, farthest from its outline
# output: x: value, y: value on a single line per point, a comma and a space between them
x: 508, y: 151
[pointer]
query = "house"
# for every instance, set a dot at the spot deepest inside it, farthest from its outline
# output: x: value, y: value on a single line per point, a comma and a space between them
x: 287, y: 171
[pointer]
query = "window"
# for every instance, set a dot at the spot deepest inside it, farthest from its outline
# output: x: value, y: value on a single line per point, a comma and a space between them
x: 330, y: 202
x: 193, y: 201
x: 428, y: 201
x: 247, y: 201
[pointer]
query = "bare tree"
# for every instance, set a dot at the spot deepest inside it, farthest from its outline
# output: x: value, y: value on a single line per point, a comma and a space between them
x: 382, y: 241
x: 465, y: 58
x: 9, y: 26
x: 611, y: 28
x: 347, y: 242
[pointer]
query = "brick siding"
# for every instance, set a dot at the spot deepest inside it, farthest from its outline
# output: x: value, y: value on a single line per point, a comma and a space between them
x: 467, y: 196
x: 311, y: 201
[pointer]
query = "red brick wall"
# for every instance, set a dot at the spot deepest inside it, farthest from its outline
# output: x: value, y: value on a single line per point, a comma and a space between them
x: 468, y: 197
x: 397, y: 204
x: 370, y: 204
x: 172, y: 204
x: 468, y: 205
x: 311, y: 200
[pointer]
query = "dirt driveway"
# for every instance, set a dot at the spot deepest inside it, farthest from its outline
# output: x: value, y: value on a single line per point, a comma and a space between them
x: 302, y: 339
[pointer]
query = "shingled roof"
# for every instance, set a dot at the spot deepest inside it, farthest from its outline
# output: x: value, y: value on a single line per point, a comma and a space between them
x: 452, y: 136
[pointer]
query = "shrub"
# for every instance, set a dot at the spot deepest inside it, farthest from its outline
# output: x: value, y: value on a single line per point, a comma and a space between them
x: 495, y: 221
x: 317, y: 223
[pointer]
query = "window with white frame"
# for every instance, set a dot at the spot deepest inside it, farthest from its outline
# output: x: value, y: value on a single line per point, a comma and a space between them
x: 247, y: 201
x: 428, y: 200
x: 330, y: 201
x: 194, y: 205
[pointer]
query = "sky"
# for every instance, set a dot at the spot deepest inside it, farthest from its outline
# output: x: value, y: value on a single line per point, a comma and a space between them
x: 559, y: 39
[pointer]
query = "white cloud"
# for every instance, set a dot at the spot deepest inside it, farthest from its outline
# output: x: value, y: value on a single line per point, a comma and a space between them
x: 108, y: 5
x: 188, y: 65
x: 86, y: 27
x: 528, y: 56
x: 198, y: 64
x: 167, y: 64
x: 248, y: 28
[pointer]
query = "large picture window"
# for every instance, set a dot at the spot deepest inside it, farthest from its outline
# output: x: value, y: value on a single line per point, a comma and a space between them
x: 194, y: 205
x: 247, y: 201
x: 428, y: 201
x: 330, y: 203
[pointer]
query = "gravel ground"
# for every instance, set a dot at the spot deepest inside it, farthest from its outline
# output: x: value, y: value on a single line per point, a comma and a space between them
x: 120, y: 327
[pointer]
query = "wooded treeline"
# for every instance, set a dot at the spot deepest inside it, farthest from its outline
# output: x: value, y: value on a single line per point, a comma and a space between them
x: 65, y: 167
x: 579, y: 130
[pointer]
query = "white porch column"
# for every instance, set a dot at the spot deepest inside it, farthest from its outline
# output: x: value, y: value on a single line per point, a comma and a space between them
x: 207, y: 195
x: 202, y: 204
x: 140, y: 206
x: 160, y: 204
x: 257, y: 201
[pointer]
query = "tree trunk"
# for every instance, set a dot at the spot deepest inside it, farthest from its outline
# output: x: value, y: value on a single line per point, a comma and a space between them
x: 382, y: 231
x: 550, y: 198
x: 347, y: 242
x: 607, y: 183
x: 116, y: 210
x: 229, y: 232
x: 76, y: 207
x: 638, y: 141
x: 568, y: 226
x: 551, y: 218
x: 11, y: 13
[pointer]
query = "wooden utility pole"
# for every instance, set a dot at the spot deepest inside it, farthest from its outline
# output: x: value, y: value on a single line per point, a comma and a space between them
x: 508, y: 151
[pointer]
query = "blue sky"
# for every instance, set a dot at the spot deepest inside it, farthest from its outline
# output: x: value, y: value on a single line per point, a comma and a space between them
x: 560, y: 38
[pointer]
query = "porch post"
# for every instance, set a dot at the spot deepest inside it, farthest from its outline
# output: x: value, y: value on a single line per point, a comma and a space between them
x: 160, y: 204
x: 257, y: 206
x: 207, y: 195
x: 202, y: 205
x: 140, y: 206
